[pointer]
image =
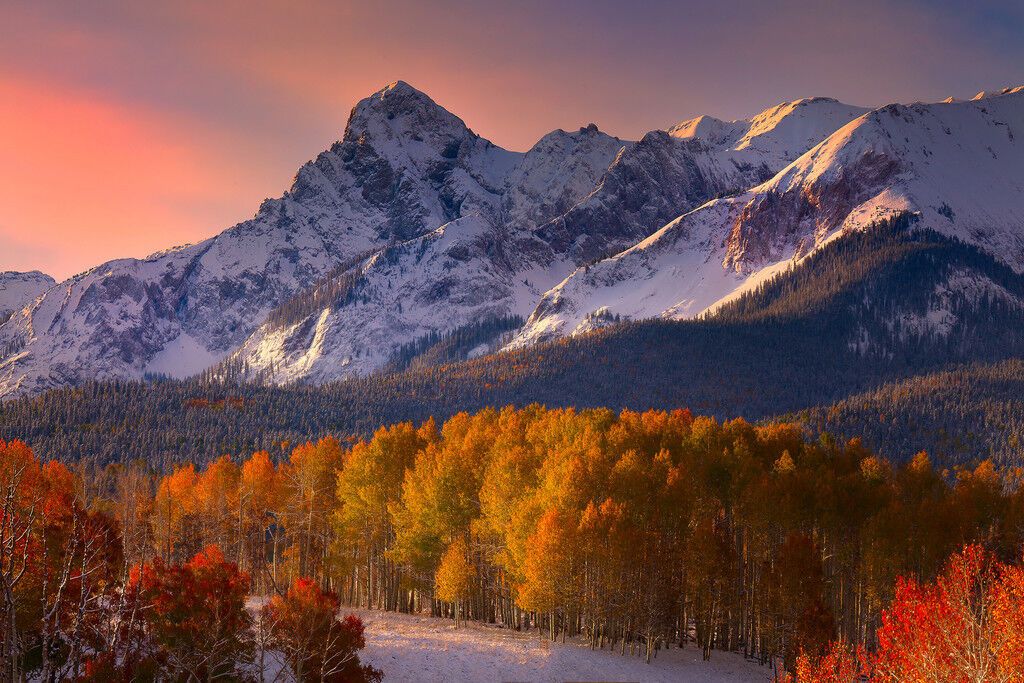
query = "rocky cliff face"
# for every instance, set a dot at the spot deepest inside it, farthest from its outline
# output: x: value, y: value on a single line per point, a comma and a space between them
x: 958, y: 165
x: 404, y: 166
x: 413, y: 225
x: 572, y: 198
x: 18, y: 290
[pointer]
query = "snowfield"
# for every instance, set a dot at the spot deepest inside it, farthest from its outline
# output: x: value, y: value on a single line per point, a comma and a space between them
x: 421, y: 649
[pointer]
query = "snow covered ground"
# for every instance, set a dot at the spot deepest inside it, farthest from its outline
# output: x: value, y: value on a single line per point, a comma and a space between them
x: 419, y: 649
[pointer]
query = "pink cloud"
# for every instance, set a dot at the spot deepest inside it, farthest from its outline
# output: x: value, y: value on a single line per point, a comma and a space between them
x: 129, y: 127
x: 84, y: 180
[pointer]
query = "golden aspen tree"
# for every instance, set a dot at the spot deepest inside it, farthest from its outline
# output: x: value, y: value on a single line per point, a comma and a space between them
x: 172, y: 519
x: 260, y: 500
x: 310, y: 478
x: 371, y: 482
x: 217, y: 505
x: 454, y: 578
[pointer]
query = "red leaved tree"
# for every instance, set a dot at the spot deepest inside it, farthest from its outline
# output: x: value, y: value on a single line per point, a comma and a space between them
x: 964, y: 627
x: 195, y: 615
x: 304, y: 626
x: 839, y: 664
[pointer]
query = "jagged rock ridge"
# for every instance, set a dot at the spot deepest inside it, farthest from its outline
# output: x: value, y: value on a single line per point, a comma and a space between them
x: 412, y: 225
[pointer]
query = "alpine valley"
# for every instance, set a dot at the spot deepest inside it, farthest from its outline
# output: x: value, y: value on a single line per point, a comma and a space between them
x: 814, y: 254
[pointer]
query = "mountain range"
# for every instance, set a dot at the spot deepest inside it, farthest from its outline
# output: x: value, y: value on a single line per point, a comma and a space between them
x: 412, y: 229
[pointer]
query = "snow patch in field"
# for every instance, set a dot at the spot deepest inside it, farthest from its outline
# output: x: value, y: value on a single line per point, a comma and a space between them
x: 421, y: 649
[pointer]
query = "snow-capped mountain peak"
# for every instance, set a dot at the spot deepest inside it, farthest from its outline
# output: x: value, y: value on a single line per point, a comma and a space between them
x: 411, y: 226
x: 403, y: 116
x: 713, y: 132
x: 1005, y: 91
x: 775, y: 136
x: 958, y: 166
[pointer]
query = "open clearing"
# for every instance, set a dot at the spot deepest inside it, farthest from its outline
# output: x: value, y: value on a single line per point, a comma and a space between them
x: 420, y: 649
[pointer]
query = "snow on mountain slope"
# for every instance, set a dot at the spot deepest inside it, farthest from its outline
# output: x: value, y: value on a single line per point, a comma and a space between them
x: 776, y: 136
x: 471, y: 269
x: 17, y: 290
x: 943, y: 315
x: 556, y: 173
x: 605, y: 195
x: 959, y: 165
x: 668, y: 173
x: 440, y: 281
x: 432, y: 227
x: 403, y: 167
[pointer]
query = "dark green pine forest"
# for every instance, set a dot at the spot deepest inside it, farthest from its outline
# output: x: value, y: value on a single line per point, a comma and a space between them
x: 838, y: 343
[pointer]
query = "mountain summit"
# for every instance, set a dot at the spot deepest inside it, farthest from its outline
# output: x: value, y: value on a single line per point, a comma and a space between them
x: 411, y: 227
x: 17, y: 290
x: 958, y: 166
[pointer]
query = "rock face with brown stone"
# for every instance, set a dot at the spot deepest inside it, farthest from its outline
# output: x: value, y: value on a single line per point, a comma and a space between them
x: 957, y: 166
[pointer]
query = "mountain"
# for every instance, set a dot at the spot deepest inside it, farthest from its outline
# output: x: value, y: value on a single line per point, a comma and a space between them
x: 669, y: 172
x: 403, y: 167
x: 412, y: 230
x: 958, y: 165
x: 480, y: 266
x: 17, y: 290
x: 571, y: 198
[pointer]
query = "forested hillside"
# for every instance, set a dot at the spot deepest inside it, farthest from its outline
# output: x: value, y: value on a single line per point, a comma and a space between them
x: 871, y: 308
x: 971, y: 412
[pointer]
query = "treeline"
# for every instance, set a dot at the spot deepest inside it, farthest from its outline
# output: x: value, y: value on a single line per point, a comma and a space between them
x: 635, y: 531
x: 337, y: 288
x: 440, y: 348
x: 842, y: 325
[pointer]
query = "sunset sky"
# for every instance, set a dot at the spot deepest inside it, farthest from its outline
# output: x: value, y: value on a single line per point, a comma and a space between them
x: 127, y: 127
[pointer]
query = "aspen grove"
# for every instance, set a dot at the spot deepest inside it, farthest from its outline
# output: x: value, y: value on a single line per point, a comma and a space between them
x: 633, y: 531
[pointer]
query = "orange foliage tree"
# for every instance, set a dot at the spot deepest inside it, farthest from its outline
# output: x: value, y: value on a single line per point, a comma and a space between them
x: 195, y: 615
x: 303, y: 626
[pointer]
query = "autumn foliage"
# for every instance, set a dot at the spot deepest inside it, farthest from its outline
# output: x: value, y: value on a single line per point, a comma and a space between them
x: 965, y: 626
x: 303, y: 625
x: 631, y: 531
x: 195, y: 614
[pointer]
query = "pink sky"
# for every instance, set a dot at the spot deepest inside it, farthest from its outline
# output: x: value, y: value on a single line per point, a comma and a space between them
x: 131, y: 127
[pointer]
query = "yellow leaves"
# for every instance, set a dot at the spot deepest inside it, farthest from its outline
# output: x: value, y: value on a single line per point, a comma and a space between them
x: 547, y: 570
x: 921, y: 463
x: 784, y: 464
x: 440, y: 493
x: 177, y: 490
x: 259, y: 484
x: 312, y: 466
x: 217, y: 488
x: 453, y: 581
x: 372, y: 478
x: 175, y: 499
x: 873, y: 469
